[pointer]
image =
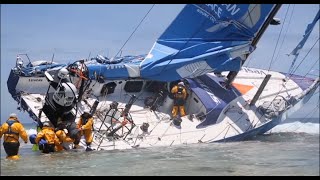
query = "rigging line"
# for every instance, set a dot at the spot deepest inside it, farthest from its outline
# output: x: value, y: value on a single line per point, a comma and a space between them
x: 285, y: 83
x: 134, y: 30
x: 304, y: 119
x: 262, y: 115
x: 288, y: 107
x: 100, y: 69
x: 313, y: 65
x: 229, y: 125
x: 276, y: 47
x: 285, y: 34
x: 304, y: 58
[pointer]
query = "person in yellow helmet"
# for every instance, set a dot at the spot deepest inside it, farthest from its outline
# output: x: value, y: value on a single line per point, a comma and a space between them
x: 11, y: 130
x: 47, y: 138
x: 179, y: 92
x: 85, y: 125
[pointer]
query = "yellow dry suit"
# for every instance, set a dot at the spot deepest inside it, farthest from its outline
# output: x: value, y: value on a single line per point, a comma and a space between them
x: 63, y: 137
x: 180, y: 95
x: 11, y: 130
x: 51, y: 140
x: 85, y: 124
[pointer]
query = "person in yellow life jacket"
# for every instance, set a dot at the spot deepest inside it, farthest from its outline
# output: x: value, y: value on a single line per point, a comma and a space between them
x: 62, y: 136
x: 85, y: 125
x: 179, y: 92
x: 11, y: 130
x: 47, y: 138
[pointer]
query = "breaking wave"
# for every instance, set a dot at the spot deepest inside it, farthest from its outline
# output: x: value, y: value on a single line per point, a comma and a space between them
x: 296, y: 125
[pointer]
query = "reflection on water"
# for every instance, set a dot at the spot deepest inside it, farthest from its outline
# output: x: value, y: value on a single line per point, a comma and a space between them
x: 275, y: 154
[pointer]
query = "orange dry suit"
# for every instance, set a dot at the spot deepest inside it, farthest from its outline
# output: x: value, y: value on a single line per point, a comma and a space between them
x: 180, y: 95
x: 48, y: 134
x: 85, y: 124
x: 11, y: 130
x: 62, y: 136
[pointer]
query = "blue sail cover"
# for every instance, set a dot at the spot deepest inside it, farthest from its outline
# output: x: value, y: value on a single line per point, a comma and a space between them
x: 118, y: 68
x: 205, y: 38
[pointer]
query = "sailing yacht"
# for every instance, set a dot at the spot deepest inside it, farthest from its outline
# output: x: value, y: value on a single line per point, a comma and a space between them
x: 130, y: 97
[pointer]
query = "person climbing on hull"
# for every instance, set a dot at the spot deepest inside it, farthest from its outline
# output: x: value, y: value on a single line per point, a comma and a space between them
x: 179, y: 93
x: 85, y: 125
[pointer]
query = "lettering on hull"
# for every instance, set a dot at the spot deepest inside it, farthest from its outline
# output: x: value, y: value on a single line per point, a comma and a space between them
x: 35, y: 80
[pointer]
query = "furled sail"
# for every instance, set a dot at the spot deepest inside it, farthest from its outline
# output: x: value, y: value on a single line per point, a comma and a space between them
x: 205, y: 38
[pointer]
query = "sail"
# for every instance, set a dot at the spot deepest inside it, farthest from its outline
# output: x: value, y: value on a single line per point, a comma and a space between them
x: 306, y: 35
x: 205, y: 38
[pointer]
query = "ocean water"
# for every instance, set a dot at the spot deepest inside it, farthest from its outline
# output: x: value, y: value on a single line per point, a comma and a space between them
x: 285, y: 151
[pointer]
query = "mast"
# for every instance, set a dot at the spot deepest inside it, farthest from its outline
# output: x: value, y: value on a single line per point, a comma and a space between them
x: 232, y: 74
x: 266, y: 24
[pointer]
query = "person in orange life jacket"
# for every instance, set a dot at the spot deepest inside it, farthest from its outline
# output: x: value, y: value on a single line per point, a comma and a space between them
x: 179, y: 95
x: 47, y: 138
x: 11, y: 130
x: 85, y: 125
x: 61, y: 133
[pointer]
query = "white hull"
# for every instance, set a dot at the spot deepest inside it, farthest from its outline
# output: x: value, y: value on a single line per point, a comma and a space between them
x: 32, y: 85
x: 237, y: 121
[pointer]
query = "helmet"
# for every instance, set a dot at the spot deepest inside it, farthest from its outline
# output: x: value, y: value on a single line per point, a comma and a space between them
x: 63, y: 73
x: 13, y: 115
x: 65, y: 94
x: 181, y: 83
x: 86, y: 112
x: 46, y: 124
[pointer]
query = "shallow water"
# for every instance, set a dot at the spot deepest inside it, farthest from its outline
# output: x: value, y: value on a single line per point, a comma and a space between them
x: 274, y: 154
x: 280, y: 153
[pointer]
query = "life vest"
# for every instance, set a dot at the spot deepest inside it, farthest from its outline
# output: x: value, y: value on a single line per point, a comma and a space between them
x: 84, y: 121
x: 49, y: 135
x: 10, y: 133
x: 179, y: 94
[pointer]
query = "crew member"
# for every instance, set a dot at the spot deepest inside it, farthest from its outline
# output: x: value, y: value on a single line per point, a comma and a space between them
x: 85, y: 125
x: 179, y: 93
x: 62, y: 134
x: 47, y: 138
x: 11, y: 130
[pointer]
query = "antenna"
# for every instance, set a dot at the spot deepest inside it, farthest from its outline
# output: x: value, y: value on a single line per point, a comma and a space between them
x: 89, y: 56
x: 52, y: 58
x: 135, y: 30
